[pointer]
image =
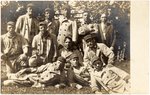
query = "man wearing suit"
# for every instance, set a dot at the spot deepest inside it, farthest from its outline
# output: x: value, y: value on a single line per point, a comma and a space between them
x: 14, y: 49
x: 67, y: 26
x: 52, y: 24
x: 44, y: 45
x: 106, y: 32
x: 26, y: 24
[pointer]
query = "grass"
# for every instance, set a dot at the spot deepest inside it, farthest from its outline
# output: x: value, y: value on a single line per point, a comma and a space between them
x: 51, y: 90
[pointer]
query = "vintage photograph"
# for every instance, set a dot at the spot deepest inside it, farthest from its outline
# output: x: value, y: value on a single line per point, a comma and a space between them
x: 65, y: 47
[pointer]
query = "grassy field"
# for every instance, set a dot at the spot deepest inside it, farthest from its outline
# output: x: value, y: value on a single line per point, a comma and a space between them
x: 51, y: 90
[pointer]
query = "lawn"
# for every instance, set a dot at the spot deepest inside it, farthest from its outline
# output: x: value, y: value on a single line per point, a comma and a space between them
x: 52, y: 90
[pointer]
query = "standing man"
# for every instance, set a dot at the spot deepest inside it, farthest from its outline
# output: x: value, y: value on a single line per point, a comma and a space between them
x: 52, y: 24
x: 106, y: 32
x: 67, y: 26
x: 86, y: 27
x: 96, y: 49
x: 44, y: 45
x: 26, y: 24
x: 14, y: 49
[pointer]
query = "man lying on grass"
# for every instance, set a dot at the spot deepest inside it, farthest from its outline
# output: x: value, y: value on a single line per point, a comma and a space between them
x: 111, y: 79
x: 75, y: 74
x: 45, y: 75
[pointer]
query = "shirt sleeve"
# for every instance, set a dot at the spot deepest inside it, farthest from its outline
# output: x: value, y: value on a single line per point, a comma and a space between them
x: 25, y: 45
x: 43, y: 68
x: 108, y: 53
x: 34, y: 46
x: 86, y: 59
x: 18, y: 25
x: 2, y: 45
x: 74, y: 31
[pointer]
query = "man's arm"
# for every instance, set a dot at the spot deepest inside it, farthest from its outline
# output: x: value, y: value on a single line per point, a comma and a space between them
x: 74, y: 31
x: 34, y: 46
x: 113, y: 37
x: 86, y: 59
x: 25, y: 45
x: 108, y: 53
x: 18, y: 25
x: 23, y: 71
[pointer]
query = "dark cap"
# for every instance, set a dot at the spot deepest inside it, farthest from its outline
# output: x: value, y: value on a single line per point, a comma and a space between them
x: 42, y: 23
x: 69, y: 37
x: 89, y: 36
x: 11, y: 23
x: 73, y: 56
x: 47, y: 10
x: 61, y: 59
x: 30, y: 5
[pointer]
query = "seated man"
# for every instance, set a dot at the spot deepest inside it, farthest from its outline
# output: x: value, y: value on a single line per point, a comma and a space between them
x: 96, y: 49
x: 75, y: 73
x: 45, y: 75
x: 14, y: 49
x: 68, y: 49
x: 44, y: 45
x: 111, y: 79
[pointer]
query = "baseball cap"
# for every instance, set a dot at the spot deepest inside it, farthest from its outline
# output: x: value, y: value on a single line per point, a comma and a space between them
x: 73, y: 56
x: 11, y: 23
x: 30, y: 5
x: 89, y: 36
x: 47, y: 9
x: 42, y: 23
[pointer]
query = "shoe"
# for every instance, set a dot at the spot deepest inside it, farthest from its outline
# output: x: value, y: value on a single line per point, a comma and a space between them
x: 78, y: 86
x: 98, y: 92
x: 73, y: 85
x: 61, y: 85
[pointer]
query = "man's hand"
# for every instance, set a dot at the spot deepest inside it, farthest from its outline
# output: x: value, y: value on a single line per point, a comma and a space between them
x: 21, y: 72
x: 22, y: 57
x: 54, y: 59
x: 4, y: 57
x: 112, y: 48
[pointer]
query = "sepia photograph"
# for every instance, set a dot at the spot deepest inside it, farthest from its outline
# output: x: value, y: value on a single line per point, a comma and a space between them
x: 65, y: 47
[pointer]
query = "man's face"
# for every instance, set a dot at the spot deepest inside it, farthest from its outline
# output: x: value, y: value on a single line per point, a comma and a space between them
x: 64, y: 12
x: 30, y: 10
x: 11, y: 28
x: 98, y: 65
x: 67, y: 43
x: 47, y: 14
x: 90, y: 43
x: 74, y: 62
x: 59, y: 65
x: 85, y: 16
x: 103, y: 19
x: 42, y: 28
